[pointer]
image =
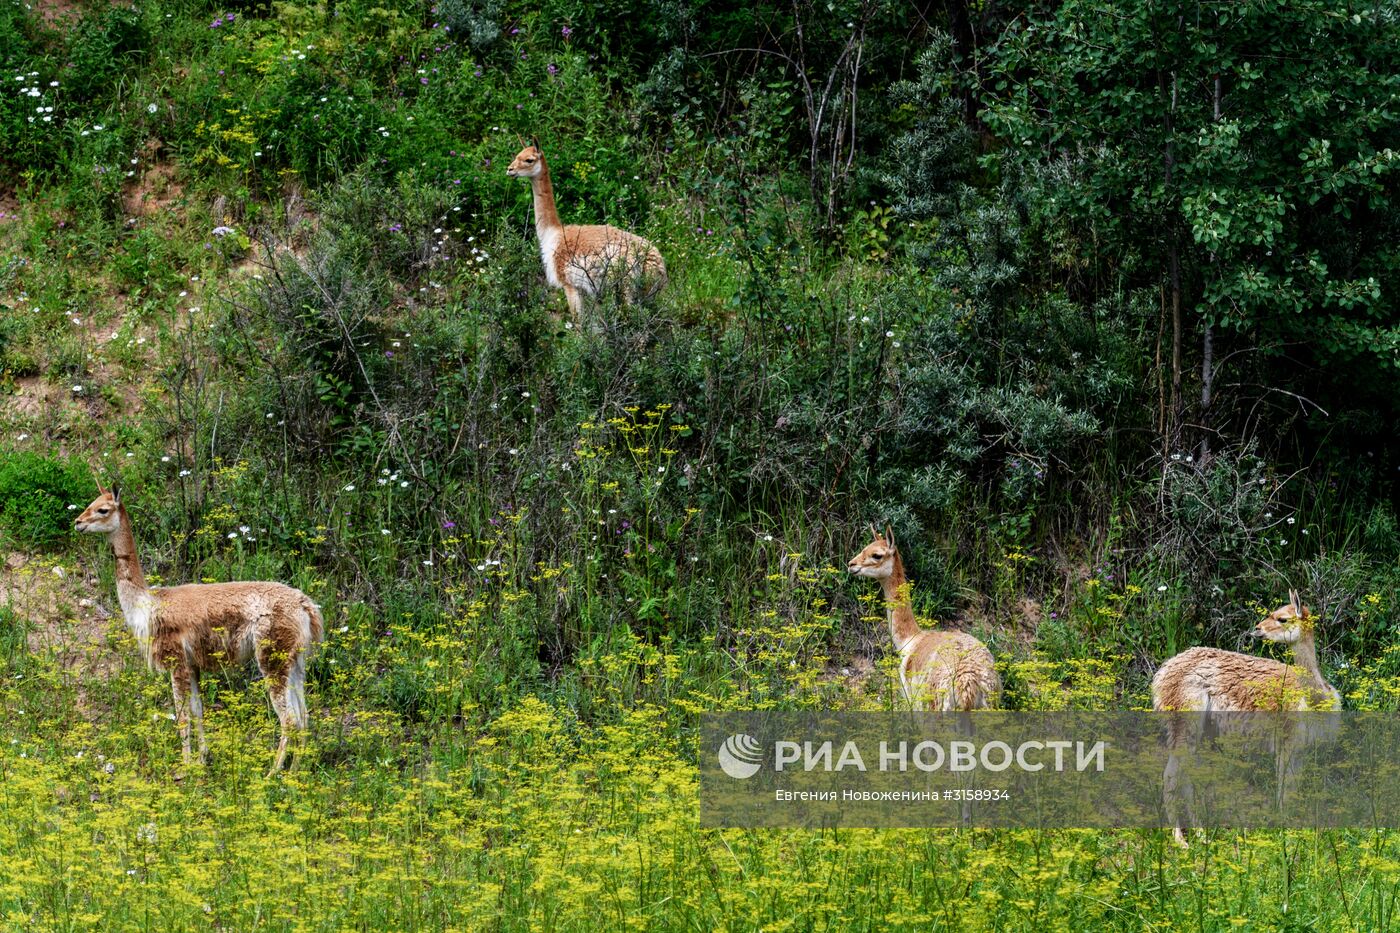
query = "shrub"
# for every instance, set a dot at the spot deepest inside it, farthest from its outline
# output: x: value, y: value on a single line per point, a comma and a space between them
x: 35, y: 492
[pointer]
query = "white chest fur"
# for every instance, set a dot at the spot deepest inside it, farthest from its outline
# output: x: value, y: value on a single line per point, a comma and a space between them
x: 139, y: 610
x: 549, y: 243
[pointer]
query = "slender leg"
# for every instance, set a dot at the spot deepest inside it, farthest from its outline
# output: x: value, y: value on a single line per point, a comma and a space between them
x: 285, y: 721
x: 179, y: 686
x: 196, y: 703
x: 575, y: 301
x: 276, y: 668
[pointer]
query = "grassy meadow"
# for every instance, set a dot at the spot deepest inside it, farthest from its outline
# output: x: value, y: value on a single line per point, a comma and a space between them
x: 261, y: 265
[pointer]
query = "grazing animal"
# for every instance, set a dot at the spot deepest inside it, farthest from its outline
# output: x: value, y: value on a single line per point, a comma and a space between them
x: 942, y: 671
x: 189, y: 629
x: 1206, y: 681
x: 586, y: 260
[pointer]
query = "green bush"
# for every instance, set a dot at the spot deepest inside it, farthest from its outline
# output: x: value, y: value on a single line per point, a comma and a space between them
x: 35, y: 493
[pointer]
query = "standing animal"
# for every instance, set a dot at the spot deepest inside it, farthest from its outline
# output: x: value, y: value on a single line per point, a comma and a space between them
x: 942, y: 671
x: 1214, y: 680
x: 189, y: 629
x: 586, y: 260
x: 1208, y: 681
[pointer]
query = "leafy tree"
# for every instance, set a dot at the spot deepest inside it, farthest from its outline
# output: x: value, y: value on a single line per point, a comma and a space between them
x: 1243, y: 152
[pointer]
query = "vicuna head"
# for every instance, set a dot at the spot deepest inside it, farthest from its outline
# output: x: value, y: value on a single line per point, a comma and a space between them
x: 877, y: 560
x: 528, y: 163
x: 1286, y: 624
x: 104, y: 515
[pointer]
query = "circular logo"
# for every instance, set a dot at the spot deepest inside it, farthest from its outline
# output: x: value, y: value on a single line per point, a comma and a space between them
x: 740, y: 756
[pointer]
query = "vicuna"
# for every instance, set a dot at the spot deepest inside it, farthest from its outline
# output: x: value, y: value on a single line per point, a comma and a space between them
x: 189, y: 629
x: 943, y: 671
x: 1207, y: 681
x: 586, y: 260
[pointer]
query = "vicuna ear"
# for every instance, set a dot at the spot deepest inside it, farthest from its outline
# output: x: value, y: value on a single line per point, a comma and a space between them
x: 889, y: 533
x: 534, y: 141
x: 116, y: 494
x: 873, y: 532
x: 1293, y: 600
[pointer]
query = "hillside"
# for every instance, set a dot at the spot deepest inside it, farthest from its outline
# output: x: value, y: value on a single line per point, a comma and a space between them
x: 1094, y: 310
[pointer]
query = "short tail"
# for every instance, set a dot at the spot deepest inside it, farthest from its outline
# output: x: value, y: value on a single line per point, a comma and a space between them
x: 655, y: 274
x: 975, y: 688
x: 317, y: 624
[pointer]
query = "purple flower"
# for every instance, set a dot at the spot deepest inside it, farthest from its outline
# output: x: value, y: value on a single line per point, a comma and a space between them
x: 477, y: 73
x: 566, y: 32
x: 422, y: 80
x: 449, y: 524
x: 553, y: 69
x: 515, y: 30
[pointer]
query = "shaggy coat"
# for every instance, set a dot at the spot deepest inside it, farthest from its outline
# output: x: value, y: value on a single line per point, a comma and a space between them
x: 1210, y: 679
x: 186, y: 630
x: 586, y: 260
x: 1206, y: 681
x: 939, y: 671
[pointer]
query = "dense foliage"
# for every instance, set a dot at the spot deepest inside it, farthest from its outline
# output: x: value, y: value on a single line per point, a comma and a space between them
x: 1091, y: 301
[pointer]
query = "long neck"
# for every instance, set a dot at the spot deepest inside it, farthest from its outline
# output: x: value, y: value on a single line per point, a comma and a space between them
x: 546, y: 215
x: 131, y: 582
x: 903, y: 625
x: 1305, y: 656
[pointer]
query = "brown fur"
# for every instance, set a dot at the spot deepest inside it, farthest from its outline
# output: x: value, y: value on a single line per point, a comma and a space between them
x: 938, y: 670
x: 186, y: 630
x: 586, y: 260
x: 1210, y: 680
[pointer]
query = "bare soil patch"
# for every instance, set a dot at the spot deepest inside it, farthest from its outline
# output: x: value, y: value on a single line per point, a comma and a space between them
x: 156, y: 189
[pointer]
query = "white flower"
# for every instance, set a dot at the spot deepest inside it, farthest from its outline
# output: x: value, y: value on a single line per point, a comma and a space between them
x: 350, y: 488
x: 150, y: 108
x: 384, y: 531
x: 767, y: 537
x: 184, y: 472
x: 77, y: 388
x: 1162, y: 588
x: 232, y: 535
x: 427, y: 563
